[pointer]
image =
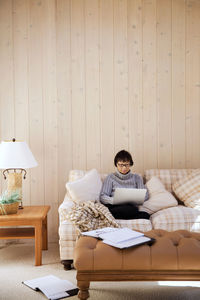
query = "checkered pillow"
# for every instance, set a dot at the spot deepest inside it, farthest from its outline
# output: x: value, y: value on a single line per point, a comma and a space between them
x: 187, y: 189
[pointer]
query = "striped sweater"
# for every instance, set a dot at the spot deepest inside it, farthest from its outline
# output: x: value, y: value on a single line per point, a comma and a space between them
x: 118, y: 180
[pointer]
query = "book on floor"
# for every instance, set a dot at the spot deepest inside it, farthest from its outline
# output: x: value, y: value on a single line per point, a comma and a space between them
x: 52, y: 287
x: 119, y: 237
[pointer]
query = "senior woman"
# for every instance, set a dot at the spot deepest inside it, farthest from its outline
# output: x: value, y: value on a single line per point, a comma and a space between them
x: 122, y: 178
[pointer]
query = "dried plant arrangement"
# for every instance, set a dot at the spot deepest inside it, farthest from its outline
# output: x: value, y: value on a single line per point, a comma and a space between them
x: 9, y: 202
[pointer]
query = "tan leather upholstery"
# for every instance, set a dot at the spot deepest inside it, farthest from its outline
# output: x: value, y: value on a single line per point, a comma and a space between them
x: 178, y: 250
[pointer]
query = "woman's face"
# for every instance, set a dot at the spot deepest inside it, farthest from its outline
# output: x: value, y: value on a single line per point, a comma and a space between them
x: 123, y: 166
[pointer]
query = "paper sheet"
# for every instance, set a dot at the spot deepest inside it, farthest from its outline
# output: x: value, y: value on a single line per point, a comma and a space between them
x: 122, y: 234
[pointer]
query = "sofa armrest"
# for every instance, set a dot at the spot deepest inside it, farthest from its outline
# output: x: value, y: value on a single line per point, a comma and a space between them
x: 64, y: 206
x: 66, y: 201
x: 67, y: 231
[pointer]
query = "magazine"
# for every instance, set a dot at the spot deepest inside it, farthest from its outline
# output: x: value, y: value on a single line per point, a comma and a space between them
x: 119, y: 237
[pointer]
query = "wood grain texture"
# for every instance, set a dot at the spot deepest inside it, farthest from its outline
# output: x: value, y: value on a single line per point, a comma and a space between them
x: 149, y: 92
x: 135, y: 109
x: 82, y: 79
x: 21, y: 80
x: 64, y: 99
x: 78, y: 84
x: 107, y: 101
x: 192, y: 82
x: 120, y: 74
x: 178, y: 85
x: 50, y: 120
x: 164, y: 99
x: 92, y: 103
x: 36, y: 100
x: 7, y: 111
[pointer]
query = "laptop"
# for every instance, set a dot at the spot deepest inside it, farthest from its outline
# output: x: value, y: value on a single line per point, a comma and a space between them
x: 131, y: 195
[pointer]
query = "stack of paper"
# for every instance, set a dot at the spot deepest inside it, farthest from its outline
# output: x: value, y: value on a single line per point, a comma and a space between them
x: 52, y: 287
x: 119, y: 237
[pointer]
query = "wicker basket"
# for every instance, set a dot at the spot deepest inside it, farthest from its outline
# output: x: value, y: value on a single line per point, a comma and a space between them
x: 8, y: 209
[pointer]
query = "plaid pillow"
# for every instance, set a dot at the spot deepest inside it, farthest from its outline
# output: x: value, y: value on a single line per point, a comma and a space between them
x: 187, y: 189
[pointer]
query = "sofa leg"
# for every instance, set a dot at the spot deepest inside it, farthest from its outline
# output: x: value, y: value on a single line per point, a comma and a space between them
x: 83, y: 286
x: 67, y: 264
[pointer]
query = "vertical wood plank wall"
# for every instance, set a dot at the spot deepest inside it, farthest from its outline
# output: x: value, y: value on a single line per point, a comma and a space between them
x: 82, y: 79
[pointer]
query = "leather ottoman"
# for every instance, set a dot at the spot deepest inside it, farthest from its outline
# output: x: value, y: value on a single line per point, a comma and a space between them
x: 174, y: 256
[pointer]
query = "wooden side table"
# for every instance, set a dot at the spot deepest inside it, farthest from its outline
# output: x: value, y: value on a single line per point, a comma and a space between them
x: 35, y: 218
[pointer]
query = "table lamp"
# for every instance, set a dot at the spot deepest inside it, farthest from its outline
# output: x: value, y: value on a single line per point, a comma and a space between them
x: 15, y: 157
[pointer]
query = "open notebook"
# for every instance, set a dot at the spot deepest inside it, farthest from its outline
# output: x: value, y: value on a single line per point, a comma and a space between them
x: 52, y: 287
x: 131, y: 195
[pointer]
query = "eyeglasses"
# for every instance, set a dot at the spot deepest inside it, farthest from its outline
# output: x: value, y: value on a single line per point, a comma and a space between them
x: 123, y: 165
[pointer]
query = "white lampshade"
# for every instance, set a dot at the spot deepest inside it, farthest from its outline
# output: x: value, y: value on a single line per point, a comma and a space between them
x: 16, y: 155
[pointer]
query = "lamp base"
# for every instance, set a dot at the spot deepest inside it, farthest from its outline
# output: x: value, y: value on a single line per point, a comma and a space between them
x: 21, y: 206
x: 15, y: 184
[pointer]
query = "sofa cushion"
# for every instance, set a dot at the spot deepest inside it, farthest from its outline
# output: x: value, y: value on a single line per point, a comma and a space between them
x: 167, y: 176
x: 142, y: 225
x: 176, y: 218
x: 86, y: 188
x: 159, y: 197
x: 187, y: 189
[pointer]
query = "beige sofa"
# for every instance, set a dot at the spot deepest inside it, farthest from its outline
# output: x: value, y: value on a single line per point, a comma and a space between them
x: 172, y: 218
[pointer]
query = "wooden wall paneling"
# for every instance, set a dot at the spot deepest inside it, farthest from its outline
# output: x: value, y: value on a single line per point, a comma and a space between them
x: 20, y: 74
x: 121, y: 75
x: 135, y: 83
x: 149, y: 84
x: 164, y: 83
x: 36, y: 105
x: 63, y: 36
x: 7, y: 115
x: 7, y: 80
x: 92, y: 84
x: 178, y: 84
x: 82, y: 79
x: 192, y: 83
x: 78, y: 84
x: 50, y: 115
x: 106, y: 86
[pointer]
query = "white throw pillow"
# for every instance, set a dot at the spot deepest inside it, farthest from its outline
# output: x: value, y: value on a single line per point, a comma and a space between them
x: 159, y: 197
x: 86, y: 188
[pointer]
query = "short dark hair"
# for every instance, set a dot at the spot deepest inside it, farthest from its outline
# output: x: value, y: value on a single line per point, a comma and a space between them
x: 123, y: 155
